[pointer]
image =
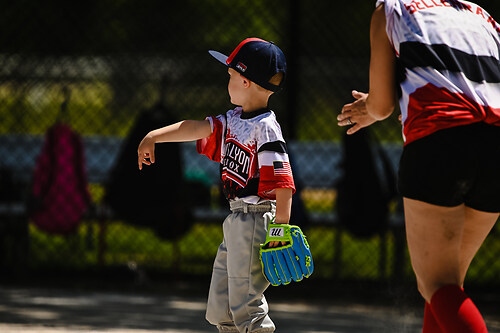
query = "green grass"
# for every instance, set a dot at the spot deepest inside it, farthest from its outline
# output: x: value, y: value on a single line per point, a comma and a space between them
x: 357, y: 259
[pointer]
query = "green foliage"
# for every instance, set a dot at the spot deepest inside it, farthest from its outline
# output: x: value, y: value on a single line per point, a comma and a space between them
x: 358, y: 259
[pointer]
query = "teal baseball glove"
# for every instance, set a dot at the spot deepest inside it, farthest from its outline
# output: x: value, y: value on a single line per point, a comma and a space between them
x: 291, y: 261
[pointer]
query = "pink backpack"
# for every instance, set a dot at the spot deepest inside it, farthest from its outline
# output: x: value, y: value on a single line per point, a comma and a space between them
x: 60, y: 193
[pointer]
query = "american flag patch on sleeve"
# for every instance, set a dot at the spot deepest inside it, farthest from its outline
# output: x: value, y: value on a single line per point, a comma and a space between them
x: 282, y: 168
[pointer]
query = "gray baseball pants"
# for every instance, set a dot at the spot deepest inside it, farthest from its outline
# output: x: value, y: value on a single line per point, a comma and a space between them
x: 236, y: 301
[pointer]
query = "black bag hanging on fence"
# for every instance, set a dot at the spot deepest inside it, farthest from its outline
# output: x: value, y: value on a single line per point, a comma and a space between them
x: 155, y: 196
x: 367, y: 186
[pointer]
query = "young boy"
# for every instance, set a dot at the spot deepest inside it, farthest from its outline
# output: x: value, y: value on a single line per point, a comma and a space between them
x: 256, y: 176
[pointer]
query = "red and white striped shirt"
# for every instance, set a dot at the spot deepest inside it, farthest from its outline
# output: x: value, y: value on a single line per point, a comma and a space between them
x: 448, y: 55
x: 252, y: 152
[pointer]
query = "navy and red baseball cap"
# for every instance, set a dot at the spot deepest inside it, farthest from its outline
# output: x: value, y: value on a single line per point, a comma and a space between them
x: 257, y: 60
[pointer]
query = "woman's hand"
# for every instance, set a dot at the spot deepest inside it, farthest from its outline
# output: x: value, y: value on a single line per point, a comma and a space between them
x: 355, y: 114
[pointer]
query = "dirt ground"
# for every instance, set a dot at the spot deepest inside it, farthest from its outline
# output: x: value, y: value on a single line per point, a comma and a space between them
x: 61, y: 309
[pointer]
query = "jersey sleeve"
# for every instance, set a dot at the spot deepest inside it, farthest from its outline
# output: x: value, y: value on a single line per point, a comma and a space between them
x: 211, y: 146
x: 274, y: 165
x: 391, y: 7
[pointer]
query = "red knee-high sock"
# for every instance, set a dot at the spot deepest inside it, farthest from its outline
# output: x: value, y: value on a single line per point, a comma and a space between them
x: 455, y: 311
x: 430, y: 323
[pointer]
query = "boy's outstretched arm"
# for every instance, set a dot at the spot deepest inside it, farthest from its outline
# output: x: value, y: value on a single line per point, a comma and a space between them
x: 186, y: 130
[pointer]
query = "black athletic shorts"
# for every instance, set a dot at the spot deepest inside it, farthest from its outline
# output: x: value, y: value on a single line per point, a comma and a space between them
x: 460, y: 165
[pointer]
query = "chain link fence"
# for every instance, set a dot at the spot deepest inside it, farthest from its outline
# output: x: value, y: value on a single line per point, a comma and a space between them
x: 99, y: 67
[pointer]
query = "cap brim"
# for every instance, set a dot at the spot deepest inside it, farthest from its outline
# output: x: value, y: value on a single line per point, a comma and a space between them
x: 219, y: 56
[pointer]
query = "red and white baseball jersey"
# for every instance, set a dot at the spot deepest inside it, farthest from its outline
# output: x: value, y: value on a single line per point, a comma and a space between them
x: 253, y: 154
x: 448, y: 64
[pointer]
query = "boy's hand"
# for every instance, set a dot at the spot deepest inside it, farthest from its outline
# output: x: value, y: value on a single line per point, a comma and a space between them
x: 146, y: 151
x: 283, y: 211
x: 277, y: 244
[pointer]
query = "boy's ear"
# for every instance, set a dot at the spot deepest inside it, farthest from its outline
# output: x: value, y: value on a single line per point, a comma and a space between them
x: 246, y: 82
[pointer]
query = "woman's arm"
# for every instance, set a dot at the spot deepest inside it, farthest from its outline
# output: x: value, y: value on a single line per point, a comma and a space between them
x: 379, y: 103
x: 186, y: 130
x: 381, y: 96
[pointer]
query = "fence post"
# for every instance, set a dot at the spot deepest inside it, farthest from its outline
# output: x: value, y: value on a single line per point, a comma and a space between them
x: 293, y: 69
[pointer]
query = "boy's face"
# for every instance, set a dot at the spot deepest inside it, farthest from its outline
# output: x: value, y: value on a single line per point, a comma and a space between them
x: 236, y: 87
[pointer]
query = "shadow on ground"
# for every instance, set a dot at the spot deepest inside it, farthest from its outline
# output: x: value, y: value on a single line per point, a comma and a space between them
x: 308, y: 307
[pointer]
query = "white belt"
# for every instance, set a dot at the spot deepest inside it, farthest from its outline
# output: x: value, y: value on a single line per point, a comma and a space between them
x: 241, y: 206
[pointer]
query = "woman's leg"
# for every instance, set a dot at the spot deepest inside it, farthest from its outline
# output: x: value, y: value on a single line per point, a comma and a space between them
x: 430, y: 323
x: 476, y: 228
x: 434, y: 236
x: 442, y: 242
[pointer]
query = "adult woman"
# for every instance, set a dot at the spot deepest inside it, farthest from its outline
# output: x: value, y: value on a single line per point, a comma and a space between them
x: 443, y: 55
